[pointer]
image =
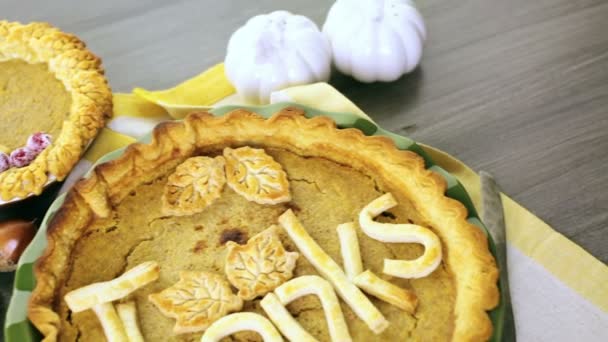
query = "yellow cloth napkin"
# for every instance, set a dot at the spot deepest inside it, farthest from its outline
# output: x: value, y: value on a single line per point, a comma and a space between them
x: 544, y: 265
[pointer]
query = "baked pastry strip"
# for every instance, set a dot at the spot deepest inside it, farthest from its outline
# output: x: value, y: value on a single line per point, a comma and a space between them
x: 330, y: 270
x: 94, y: 294
x: 349, y: 247
x: 128, y: 315
x: 110, y: 322
x: 283, y: 320
x: 241, y: 321
x: 388, y: 292
x: 307, y: 285
x: 401, y: 233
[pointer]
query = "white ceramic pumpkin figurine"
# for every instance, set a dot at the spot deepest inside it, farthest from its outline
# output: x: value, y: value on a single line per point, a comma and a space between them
x: 274, y: 51
x: 375, y: 40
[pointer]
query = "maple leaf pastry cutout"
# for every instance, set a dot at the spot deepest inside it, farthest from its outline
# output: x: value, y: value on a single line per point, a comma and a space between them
x: 259, y: 266
x: 194, y: 185
x: 255, y: 175
x: 196, y: 300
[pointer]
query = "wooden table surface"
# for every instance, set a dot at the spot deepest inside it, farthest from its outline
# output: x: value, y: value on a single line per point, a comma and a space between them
x: 518, y: 88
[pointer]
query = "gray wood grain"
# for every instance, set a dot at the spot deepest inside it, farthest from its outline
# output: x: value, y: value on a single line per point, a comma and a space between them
x: 518, y: 88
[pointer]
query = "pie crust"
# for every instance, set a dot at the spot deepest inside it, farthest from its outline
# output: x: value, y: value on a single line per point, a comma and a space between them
x: 80, y: 71
x: 465, y: 249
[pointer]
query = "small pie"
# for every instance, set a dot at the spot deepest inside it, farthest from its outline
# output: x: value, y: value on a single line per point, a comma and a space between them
x: 314, y: 178
x: 53, y: 100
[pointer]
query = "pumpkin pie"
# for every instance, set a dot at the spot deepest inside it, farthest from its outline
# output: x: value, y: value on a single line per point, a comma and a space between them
x: 53, y: 100
x: 246, y: 210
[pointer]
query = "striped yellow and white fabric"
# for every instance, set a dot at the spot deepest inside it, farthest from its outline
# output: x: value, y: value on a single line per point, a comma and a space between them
x: 556, y: 296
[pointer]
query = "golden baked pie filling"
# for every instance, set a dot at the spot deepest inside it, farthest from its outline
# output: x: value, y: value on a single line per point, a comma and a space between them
x: 31, y: 100
x: 117, y: 220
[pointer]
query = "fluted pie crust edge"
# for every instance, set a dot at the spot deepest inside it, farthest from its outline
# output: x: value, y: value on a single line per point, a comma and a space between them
x: 465, y: 246
x: 81, y: 73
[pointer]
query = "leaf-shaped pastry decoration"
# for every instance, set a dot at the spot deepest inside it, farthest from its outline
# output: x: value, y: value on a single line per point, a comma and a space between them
x: 259, y: 266
x: 194, y: 185
x: 197, y: 300
x: 256, y: 176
